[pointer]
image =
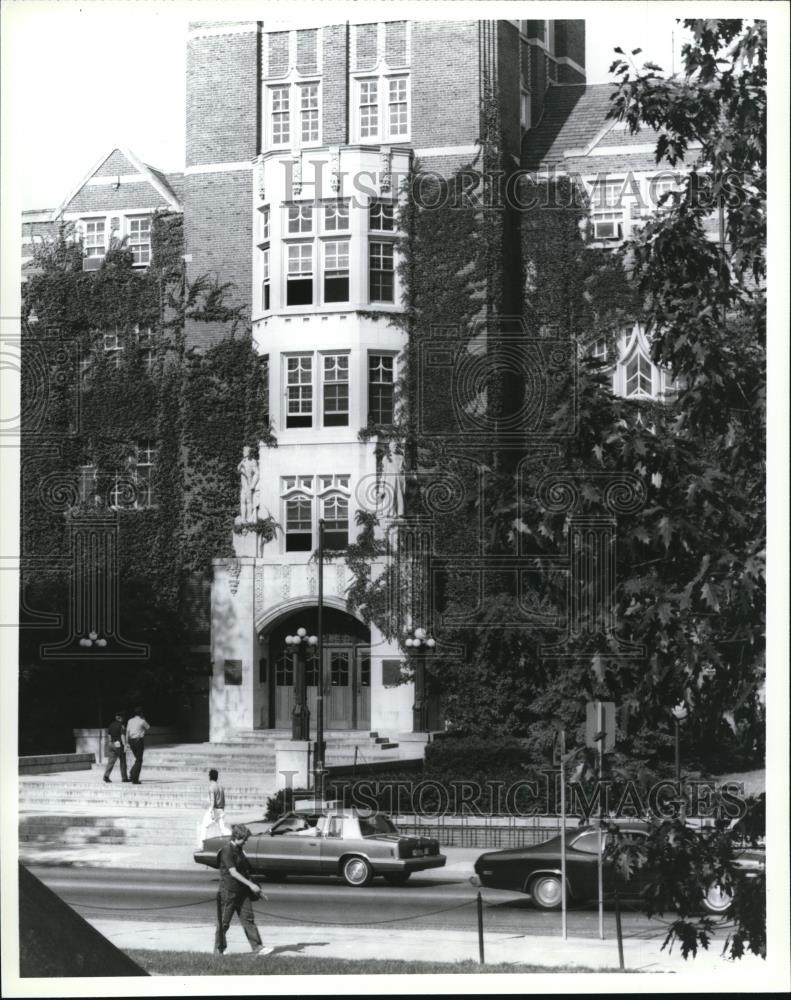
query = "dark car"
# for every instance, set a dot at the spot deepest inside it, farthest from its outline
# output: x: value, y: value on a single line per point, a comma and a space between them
x: 536, y: 870
x: 354, y: 844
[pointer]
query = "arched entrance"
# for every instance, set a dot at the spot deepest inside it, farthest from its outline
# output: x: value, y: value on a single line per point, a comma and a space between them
x: 346, y: 670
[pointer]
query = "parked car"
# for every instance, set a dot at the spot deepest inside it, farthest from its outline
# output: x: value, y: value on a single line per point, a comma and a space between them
x: 536, y: 870
x: 354, y: 844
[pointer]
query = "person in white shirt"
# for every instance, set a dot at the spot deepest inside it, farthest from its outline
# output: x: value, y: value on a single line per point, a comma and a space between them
x: 136, y: 730
x: 216, y: 811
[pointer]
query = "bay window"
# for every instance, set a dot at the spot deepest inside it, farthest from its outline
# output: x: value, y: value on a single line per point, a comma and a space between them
x: 336, y: 390
x: 299, y: 279
x: 381, y: 272
x: 299, y: 391
x: 336, y: 271
x: 381, y: 385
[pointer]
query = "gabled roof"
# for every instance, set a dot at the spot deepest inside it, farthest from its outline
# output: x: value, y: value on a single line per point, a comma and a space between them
x: 154, y: 177
x: 574, y: 116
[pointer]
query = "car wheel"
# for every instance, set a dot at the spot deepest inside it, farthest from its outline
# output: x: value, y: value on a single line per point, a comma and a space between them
x: 545, y: 890
x: 357, y: 872
x: 716, y: 899
x: 397, y: 878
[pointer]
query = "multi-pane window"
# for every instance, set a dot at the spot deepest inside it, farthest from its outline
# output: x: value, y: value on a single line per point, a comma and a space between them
x: 280, y: 115
x: 381, y: 273
x: 607, y: 211
x: 300, y: 217
x: 335, y: 511
x: 336, y: 216
x: 87, y: 483
x: 299, y: 524
x: 599, y: 349
x: 122, y: 494
x: 265, y: 224
x: 336, y: 271
x: 146, y: 460
x: 265, y: 279
x: 381, y: 216
x: 369, y: 108
x: 309, y: 112
x: 299, y: 279
x: 94, y: 240
x: 383, y: 107
x: 299, y: 391
x: 398, y: 106
x: 381, y: 379
x: 140, y: 240
x: 336, y: 390
x: 113, y: 348
x: 145, y: 345
x: 639, y: 375
x: 284, y: 669
x: 339, y: 669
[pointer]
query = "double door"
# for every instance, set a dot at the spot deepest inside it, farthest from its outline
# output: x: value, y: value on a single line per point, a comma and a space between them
x: 347, y: 687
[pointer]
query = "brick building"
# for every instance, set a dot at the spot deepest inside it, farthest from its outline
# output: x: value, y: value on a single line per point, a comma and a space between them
x: 296, y: 138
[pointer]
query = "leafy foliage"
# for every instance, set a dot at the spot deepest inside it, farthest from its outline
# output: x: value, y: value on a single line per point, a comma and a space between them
x: 198, y: 410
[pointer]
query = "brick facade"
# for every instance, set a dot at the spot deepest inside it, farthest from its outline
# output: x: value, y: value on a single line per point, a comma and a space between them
x: 445, y: 108
x: 218, y: 236
x: 335, y: 85
x: 222, y: 106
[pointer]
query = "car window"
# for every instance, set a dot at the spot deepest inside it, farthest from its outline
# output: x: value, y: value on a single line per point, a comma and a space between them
x: 335, y: 827
x: 588, y: 842
x: 370, y: 826
x: 290, y: 824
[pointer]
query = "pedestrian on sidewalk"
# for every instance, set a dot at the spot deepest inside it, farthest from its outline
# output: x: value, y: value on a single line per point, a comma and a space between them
x: 117, y: 752
x: 236, y: 893
x: 136, y: 730
x: 216, y: 811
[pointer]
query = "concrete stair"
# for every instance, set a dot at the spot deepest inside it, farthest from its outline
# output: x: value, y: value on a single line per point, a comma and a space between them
x: 174, y: 776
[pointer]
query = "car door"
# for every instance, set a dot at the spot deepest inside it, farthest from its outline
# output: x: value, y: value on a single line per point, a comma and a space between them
x: 283, y: 849
x: 333, y: 844
x: 582, y: 865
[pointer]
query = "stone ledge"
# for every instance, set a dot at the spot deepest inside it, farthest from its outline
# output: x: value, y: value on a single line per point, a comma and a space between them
x: 51, y: 763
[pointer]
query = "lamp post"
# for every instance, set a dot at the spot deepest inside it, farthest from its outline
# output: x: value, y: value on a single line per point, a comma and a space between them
x: 417, y: 642
x: 300, y: 714
x: 318, y: 756
x: 679, y: 713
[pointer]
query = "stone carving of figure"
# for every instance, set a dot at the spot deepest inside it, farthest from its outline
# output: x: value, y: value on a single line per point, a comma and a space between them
x: 248, y: 471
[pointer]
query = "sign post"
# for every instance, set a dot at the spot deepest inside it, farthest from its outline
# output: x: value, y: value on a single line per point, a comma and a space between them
x: 600, y: 735
x: 563, y: 834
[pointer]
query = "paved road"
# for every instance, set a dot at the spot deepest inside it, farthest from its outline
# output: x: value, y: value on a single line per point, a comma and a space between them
x: 188, y: 897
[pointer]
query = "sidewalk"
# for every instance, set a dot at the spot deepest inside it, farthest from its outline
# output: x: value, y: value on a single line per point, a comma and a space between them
x: 640, y: 955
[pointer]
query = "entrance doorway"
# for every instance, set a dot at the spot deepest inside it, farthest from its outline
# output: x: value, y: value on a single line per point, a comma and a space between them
x: 346, y: 672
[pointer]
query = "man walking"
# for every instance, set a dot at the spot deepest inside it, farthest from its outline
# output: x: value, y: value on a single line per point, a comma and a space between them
x: 136, y: 730
x: 236, y: 893
x: 216, y: 811
x: 117, y: 751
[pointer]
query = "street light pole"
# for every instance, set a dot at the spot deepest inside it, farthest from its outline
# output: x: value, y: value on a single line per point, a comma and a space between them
x: 417, y: 643
x: 318, y: 757
x: 300, y: 714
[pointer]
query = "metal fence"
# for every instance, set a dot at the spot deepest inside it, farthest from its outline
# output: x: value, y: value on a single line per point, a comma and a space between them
x: 478, y: 831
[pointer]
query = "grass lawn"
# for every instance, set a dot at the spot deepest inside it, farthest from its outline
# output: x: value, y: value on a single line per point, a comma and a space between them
x: 188, y: 963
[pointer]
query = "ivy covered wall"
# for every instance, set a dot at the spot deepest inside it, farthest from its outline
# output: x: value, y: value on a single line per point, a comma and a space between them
x: 106, y: 377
